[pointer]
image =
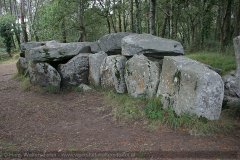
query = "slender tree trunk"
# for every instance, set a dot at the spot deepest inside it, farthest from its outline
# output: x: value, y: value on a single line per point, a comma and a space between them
x: 138, y: 16
x: 108, y: 24
x: 152, y: 17
x: 15, y: 27
x: 236, y: 42
x: 132, y: 16
x: 5, y: 6
x: 226, y: 26
x: 64, y: 33
x: 113, y: 25
x: 11, y: 12
x: 23, y: 23
x: 124, y: 17
x: 1, y: 8
x: 120, y: 15
x: 237, y: 21
x: 163, y: 34
x: 29, y: 9
x: 82, y: 37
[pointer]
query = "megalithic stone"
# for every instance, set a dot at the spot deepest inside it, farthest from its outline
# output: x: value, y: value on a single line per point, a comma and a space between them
x: 236, y: 42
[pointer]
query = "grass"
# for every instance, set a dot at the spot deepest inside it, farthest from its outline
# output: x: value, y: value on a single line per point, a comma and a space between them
x: 24, y: 82
x: 124, y: 107
x: 26, y: 85
x: 51, y: 89
x: 154, y: 111
x: 4, y: 145
x: 127, y: 109
x: 224, y: 62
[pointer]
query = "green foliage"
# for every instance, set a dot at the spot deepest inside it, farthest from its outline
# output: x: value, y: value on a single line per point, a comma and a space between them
x: 5, y: 58
x: 54, y: 14
x: 154, y: 111
x: 52, y: 89
x: 217, y: 60
x: 8, y: 146
x: 125, y: 108
x: 6, y: 31
x: 25, y: 84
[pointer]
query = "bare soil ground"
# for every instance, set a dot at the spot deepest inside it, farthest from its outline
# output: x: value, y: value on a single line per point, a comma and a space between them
x: 73, y: 122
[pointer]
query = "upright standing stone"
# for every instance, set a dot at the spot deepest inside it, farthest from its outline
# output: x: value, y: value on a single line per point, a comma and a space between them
x: 142, y: 76
x: 44, y: 75
x: 112, y: 73
x: 76, y: 70
x: 190, y: 87
x: 22, y: 66
x: 95, y: 62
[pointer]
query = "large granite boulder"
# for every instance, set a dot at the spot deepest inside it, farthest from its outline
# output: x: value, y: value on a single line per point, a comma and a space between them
x: 142, y: 76
x: 22, y: 66
x: 95, y: 62
x: 231, y: 90
x: 44, y: 75
x: 110, y: 43
x: 112, y: 73
x: 150, y: 45
x: 75, y: 71
x: 190, y: 87
x: 55, y: 52
x: 29, y: 45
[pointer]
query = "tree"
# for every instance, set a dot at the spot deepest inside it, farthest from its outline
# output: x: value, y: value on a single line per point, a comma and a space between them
x: 23, y: 23
x: 6, y: 32
x: 152, y: 17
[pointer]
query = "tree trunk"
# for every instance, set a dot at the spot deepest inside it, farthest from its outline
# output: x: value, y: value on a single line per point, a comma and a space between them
x: 108, y: 24
x: 226, y: 26
x: 237, y: 21
x: 5, y: 6
x: 124, y: 17
x: 138, y: 16
x: 1, y: 8
x: 120, y: 15
x: 163, y: 34
x: 113, y: 25
x: 23, y: 23
x: 30, y: 22
x: 82, y: 37
x: 152, y: 17
x: 236, y: 42
x: 132, y: 16
x: 15, y: 27
x: 64, y: 33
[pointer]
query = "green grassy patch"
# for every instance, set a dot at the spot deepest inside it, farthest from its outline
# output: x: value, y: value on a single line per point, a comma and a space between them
x: 217, y: 60
x: 155, y: 112
x: 125, y: 108
x: 26, y: 85
x: 4, y: 145
x: 5, y: 58
x: 52, y: 89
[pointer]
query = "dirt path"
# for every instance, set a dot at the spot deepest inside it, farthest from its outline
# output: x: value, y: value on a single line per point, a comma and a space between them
x: 72, y: 121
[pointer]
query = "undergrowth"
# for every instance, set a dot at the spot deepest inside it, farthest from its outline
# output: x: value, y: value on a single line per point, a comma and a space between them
x: 5, y: 58
x: 125, y: 108
x: 26, y: 85
x: 225, y: 62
